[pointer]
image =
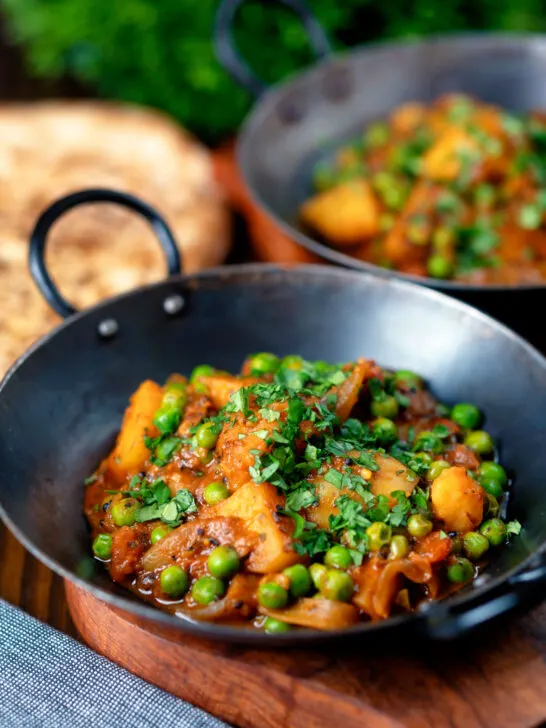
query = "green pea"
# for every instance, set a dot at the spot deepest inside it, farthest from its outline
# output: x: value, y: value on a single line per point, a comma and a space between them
x: 204, y: 455
x: 442, y: 238
x: 493, y: 507
x: 207, y: 435
x: 394, y: 197
x: 159, y: 532
x: 460, y: 570
x: 167, y: 420
x: 419, y: 525
x: 317, y: 573
x: 264, y: 363
x: 418, y: 232
x: 176, y: 394
x: 480, y: 442
x: 475, y: 545
x: 337, y: 586
x: 386, y: 221
x: 203, y: 370
x: 379, y: 535
x: 167, y: 448
x: 215, y: 492
x: 339, y: 557
x: 530, y: 217
x: 490, y: 473
x: 494, y: 531
x: 168, y: 416
x: 377, y: 134
x: 174, y: 581
x: 292, y: 362
x: 124, y: 512
x: 438, y: 266
x: 223, y: 562
x: 466, y: 415
x: 387, y: 406
x: 206, y: 589
x: 385, y: 429
x: 437, y: 467
x: 322, y: 367
x: 492, y: 487
x: 408, y: 379
x: 428, y: 442
x: 102, y: 546
x: 300, y: 580
x: 275, y: 626
x: 272, y: 595
x: 399, y: 547
x: 484, y: 195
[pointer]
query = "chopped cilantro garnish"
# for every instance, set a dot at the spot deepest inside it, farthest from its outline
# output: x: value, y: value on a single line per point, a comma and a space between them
x: 239, y: 401
x: 513, y: 527
x: 269, y: 414
x: 399, y: 513
x: 419, y: 501
x: 299, y: 499
x: 334, y: 477
x: 440, y: 431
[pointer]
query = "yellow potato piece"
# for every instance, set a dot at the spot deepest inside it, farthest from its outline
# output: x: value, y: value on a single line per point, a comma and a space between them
x: 392, y: 475
x: 347, y: 214
x: 457, y: 500
x: 130, y: 452
x: 257, y: 506
x: 220, y: 387
x: 444, y: 161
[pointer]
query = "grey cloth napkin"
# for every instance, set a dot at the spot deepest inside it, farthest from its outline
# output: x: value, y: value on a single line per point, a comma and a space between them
x: 48, y: 680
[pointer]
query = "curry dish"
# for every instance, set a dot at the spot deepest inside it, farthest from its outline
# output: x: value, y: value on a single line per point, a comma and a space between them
x: 296, y: 494
x: 453, y: 190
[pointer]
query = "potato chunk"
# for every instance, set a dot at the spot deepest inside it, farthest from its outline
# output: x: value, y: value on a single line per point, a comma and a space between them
x: 257, y: 506
x: 392, y: 475
x: 220, y: 387
x: 444, y: 161
x: 130, y: 452
x: 457, y: 500
x: 347, y: 214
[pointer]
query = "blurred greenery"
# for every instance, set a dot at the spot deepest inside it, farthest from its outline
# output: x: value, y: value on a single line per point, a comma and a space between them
x: 159, y: 52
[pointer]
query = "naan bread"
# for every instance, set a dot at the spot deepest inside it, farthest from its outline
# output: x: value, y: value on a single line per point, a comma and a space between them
x: 50, y: 149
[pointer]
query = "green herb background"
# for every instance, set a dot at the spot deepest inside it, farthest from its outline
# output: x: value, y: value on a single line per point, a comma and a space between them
x: 159, y: 52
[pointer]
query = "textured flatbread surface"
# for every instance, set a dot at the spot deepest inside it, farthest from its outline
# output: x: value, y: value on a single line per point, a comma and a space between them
x: 51, y: 149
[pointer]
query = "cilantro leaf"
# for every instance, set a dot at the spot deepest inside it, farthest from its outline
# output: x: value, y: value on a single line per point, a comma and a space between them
x: 299, y: 499
x: 399, y: 512
x: 185, y: 501
x: 513, y: 527
x: 334, y: 477
x: 269, y: 415
x: 440, y: 431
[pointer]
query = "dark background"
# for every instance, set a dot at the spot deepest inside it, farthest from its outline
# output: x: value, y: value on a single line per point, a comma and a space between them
x: 16, y: 83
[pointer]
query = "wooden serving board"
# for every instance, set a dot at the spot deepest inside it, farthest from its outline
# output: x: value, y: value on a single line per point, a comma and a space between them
x: 498, y: 679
